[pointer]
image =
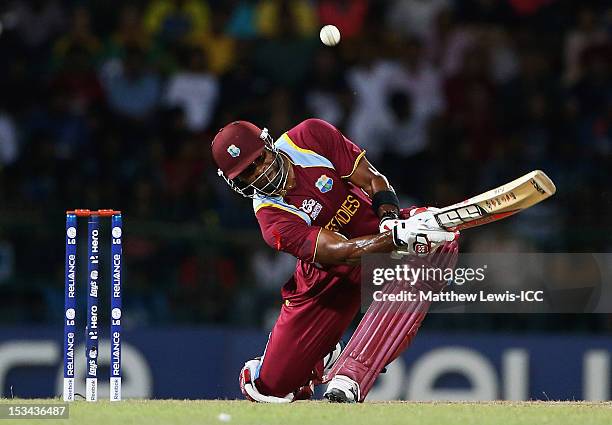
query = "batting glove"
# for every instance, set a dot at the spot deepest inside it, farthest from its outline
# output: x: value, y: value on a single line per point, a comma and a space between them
x: 419, y: 234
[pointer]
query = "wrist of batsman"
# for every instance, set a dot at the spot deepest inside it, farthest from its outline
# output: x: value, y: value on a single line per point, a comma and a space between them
x: 385, y: 202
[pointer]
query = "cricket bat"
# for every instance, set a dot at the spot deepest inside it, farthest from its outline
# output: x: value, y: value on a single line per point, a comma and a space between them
x: 498, y: 203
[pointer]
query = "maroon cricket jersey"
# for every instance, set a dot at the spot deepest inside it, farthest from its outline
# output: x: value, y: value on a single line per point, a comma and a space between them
x: 322, y: 160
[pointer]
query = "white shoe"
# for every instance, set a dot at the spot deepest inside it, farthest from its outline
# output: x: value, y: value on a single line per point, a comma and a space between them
x: 342, y: 389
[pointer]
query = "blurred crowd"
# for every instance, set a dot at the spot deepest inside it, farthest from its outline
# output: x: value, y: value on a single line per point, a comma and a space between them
x: 113, y: 104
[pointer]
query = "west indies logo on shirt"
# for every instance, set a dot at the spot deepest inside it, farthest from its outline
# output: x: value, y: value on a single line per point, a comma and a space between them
x: 324, y: 184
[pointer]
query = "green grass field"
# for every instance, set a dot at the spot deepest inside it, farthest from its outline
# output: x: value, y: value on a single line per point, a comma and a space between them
x: 177, y: 412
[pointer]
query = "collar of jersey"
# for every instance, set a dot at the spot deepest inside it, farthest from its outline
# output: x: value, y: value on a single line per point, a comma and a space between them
x: 305, y: 158
x: 278, y: 202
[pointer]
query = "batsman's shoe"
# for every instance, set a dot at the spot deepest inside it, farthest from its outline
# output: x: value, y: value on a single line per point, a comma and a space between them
x: 247, y: 378
x: 342, y: 389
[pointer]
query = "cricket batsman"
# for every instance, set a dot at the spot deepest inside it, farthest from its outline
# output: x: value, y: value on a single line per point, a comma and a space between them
x: 317, y: 197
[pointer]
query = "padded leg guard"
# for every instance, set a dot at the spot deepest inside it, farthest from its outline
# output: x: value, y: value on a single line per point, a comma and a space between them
x: 388, y: 328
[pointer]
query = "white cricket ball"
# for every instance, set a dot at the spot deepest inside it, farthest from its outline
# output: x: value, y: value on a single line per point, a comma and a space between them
x: 224, y: 417
x: 330, y: 35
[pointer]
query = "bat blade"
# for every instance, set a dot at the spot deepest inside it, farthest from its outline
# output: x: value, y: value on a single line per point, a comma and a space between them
x: 497, y: 203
